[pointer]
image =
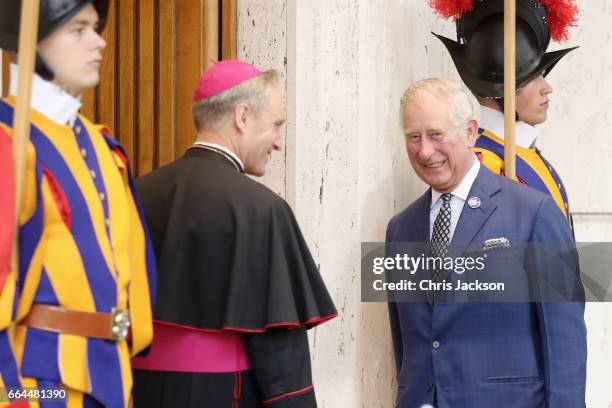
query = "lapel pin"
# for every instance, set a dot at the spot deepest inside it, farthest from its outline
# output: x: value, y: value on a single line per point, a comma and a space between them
x: 473, y: 202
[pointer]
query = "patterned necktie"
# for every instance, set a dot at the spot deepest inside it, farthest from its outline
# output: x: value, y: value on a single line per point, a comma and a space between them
x: 440, y: 236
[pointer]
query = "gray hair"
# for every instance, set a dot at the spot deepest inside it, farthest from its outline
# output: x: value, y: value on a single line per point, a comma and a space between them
x: 210, y: 112
x: 461, y: 109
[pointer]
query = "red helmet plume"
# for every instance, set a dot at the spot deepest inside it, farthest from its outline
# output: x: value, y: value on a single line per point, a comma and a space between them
x: 451, y: 8
x: 561, y: 15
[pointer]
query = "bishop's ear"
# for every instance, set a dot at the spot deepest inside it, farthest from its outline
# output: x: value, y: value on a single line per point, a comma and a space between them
x: 241, y: 114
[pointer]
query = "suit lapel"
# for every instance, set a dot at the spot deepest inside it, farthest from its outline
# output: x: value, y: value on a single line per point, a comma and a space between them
x: 473, y: 219
x: 421, y: 230
x: 417, y: 227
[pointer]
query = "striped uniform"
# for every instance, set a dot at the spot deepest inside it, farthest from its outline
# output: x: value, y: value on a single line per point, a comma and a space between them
x: 531, y: 168
x: 83, y: 246
x: 7, y: 214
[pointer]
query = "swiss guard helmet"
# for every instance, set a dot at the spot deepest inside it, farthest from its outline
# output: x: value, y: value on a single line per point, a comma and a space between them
x: 478, y: 54
x: 53, y: 14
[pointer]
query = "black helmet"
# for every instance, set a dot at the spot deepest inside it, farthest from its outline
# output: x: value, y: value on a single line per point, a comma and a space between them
x: 479, y: 53
x: 53, y: 14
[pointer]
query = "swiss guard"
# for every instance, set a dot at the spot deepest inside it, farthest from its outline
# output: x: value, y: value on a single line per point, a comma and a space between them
x: 79, y: 304
x: 479, y: 58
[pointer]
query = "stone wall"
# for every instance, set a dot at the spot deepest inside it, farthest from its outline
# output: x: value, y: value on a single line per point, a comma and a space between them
x: 345, y: 171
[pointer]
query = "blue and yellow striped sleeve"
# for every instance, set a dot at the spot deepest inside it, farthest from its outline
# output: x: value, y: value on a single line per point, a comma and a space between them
x: 18, y: 290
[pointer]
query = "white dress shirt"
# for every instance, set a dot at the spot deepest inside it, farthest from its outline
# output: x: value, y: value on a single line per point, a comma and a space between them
x: 48, y: 98
x: 493, y: 121
x: 459, y: 196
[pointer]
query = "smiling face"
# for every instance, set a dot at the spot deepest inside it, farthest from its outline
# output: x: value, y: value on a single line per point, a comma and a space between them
x: 73, y: 52
x: 440, y: 153
x: 262, y: 134
x: 532, y: 101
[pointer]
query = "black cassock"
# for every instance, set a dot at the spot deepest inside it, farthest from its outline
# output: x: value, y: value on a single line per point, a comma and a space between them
x: 231, y: 257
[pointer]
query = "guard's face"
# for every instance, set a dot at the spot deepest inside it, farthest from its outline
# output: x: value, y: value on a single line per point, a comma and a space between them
x: 532, y: 101
x: 440, y: 153
x: 263, y: 134
x: 73, y: 52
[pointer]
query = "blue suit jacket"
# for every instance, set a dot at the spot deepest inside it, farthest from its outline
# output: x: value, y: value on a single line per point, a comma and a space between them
x: 497, y: 354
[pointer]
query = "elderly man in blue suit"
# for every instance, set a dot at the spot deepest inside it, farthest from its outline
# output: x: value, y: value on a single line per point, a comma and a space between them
x: 476, y: 354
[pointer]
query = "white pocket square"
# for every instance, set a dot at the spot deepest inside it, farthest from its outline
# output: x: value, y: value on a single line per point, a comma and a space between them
x: 495, y: 243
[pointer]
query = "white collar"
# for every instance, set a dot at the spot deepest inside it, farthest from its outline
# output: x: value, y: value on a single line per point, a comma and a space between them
x: 463, y: 189
x: 224, y: 149
x: 48, y: 98
x: 493, y: 121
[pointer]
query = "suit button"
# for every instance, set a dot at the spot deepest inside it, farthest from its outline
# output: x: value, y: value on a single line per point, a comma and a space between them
x: 430, y: 387
x: 435, y: 344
